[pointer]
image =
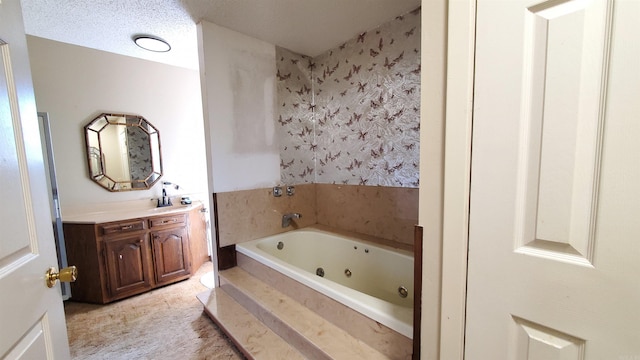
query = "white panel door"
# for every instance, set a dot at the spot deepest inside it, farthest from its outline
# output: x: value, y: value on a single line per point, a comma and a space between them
x: 32, y: 324
x: 554, y: 229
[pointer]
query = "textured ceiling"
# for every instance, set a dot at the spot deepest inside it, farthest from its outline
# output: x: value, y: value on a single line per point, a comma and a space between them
x: 305, y: 26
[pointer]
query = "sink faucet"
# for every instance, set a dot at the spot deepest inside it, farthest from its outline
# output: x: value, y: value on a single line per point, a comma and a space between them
x: 286, y: 218
x: 166, y: 200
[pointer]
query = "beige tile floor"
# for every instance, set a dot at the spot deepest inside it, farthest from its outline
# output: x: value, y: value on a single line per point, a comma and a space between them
x: 166, y: 323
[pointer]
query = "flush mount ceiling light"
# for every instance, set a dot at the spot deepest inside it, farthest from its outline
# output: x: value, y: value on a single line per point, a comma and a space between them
x: 151, y: 43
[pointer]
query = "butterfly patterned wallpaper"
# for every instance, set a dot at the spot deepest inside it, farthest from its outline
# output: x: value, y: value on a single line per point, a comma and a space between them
x: 139, y: 153
x: 352, y: 115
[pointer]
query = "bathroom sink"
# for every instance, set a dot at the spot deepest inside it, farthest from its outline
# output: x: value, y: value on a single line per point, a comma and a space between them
x: 176, y: 207
x: 118, y: 212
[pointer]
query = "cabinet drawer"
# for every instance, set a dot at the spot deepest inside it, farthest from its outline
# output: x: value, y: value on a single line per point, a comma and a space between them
x: 122, y: 227
x: 168, y: 220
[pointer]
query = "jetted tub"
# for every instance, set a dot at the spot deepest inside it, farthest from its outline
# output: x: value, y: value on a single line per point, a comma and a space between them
x: 373, y: 279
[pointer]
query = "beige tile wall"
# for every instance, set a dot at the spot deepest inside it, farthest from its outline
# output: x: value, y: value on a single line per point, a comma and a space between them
x: 386, y: 212
x: 389, y: 213
x: 251, y: 214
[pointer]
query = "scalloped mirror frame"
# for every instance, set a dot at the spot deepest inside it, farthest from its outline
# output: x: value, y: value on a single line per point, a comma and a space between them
x: 123, y: 152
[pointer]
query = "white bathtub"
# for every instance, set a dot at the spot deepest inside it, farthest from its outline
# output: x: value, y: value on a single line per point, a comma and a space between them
x: 376, y: 272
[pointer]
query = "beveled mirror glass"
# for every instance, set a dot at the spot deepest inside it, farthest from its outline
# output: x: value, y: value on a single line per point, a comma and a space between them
x: 123, y: 152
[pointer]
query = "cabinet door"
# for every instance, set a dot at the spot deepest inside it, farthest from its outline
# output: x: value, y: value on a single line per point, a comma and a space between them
x: 127, y: 265
x: 171, y: 254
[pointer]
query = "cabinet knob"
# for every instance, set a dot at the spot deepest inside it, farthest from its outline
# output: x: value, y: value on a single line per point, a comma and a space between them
x: 120, y: 256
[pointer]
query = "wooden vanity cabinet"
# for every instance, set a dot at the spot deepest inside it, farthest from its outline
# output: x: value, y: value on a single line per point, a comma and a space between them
x: 170, y: 249
x: 124, y: 258
x: 127, y: 265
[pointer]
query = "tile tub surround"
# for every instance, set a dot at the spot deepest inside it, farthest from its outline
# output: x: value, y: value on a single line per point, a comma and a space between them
x: 387, y: 213
x: 379, y: 337
x: 251, y: 214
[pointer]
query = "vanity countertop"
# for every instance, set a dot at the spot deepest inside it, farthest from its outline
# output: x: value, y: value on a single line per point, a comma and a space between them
x: 123, y: 212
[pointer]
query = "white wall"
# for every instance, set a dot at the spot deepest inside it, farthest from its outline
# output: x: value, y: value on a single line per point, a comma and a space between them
x: 75, y: 84
x: 432, y: 127
x: 238, y: 82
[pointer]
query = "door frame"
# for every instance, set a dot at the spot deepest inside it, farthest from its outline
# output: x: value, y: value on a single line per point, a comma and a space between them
x: 461, y: 20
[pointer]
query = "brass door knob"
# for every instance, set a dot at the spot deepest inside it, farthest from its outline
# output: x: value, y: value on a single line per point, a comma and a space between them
x: 68, y: 274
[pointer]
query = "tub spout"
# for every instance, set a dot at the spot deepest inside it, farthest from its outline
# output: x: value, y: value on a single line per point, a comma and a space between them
x: 286, y: 218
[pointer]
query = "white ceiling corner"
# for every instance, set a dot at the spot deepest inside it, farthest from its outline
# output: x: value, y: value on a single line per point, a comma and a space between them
x: 308, y: 27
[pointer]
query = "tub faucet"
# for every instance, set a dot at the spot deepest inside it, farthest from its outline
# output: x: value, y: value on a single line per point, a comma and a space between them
x: 286, y: 218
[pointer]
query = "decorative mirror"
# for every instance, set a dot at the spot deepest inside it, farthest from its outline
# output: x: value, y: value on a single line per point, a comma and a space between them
x: 123, y: 152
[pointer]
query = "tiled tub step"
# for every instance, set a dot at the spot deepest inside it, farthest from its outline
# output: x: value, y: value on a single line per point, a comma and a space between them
x: 309, y: 333
x: 254, y: 339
